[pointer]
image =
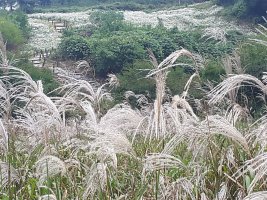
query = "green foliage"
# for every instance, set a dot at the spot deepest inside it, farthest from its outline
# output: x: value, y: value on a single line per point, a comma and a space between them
x: 245, y: 8
x: 110, y: 55
x: 212, y: 71
x: 253, y: 58
x: 43, y: 74
x: 74, y: 47
x: 239, y: 9
x: 107, y: 21
x: 11, y: 33
x: 21, y: 19
x: 177, y: 79
x: 133, y: 78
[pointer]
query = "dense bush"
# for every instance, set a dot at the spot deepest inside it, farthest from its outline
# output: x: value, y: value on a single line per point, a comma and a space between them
x: 133, y: 78
x: 11, y: 33
x: 254, y: 59
x: 74, y: 47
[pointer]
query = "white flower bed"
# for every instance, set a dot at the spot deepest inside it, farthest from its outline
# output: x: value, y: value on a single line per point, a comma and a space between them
x: 75, y: 19
x: 189, y: 18
x: 44, y: 36
x: 184, y: 19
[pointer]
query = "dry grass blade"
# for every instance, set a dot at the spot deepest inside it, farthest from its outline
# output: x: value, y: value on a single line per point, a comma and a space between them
x: 4, y: 137
x: 168, y: 62
x: 219, y: 125
x: 261, y: 195
x: 234, y: 82
x: 180, y: 189
x: 96, y: 180
x: 257, y: 166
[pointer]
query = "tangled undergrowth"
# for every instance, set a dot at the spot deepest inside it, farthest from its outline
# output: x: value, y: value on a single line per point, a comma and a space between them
x: 67, y: 147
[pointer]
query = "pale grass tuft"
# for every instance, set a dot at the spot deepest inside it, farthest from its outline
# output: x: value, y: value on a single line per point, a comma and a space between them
x: 8, y: 174
x: 4, y: 137
x: 95, y: 180
x: 261, y: 195
x: 48, y: 197
x: 159, y: 161
x: 257, y: 166
x: 215, y: 33
x: 234, y: 82
x: 180, y: 189
x: 49, y: 166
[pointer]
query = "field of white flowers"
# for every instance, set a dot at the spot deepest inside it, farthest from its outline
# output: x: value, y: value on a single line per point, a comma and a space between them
x: 204, y: 16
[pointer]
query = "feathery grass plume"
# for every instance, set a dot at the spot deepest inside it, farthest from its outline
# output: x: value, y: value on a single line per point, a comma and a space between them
x: 197, y: 136
x: 234, y: 82
x: 235, y: 113
x: 258, y: 133
x: 261, y: 195
x: 83, y: 90
x: 49, y: 166
x: 222, y: 194
x: 84, y: 68
x: 5, y: 102
x: 8, y: 174
x: 256, y: 166
x: 180, y: 102
x: 263, y: 31
x: 215, y: 33
x: 157, y: 124
x: 113, y: 81
x: 158, y: 161
x: 95, y: 181
x: 3, y: 138
x: 180, y: 189
x: 117, y: 142
x: 232, y: 64
x: 264, y: 78
x: 218, y: 125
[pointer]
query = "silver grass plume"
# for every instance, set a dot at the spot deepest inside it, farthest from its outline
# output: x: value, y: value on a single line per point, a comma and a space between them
x: 8, y: 174
x: 234, y: 82
x: 157, y: 121
x: 95, y: 180
x: 4, y: 138
x: 215, y: 33
x: 261, y: 195
x: 158, y: 161
x: 257, y: 166
x: 258, y: 133
x: 180, y: 189
x: 49, y: 166
x: 47, y: 197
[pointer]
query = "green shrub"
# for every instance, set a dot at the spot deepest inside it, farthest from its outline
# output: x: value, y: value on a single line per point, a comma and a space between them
x: 133, y: 78
x: 74, y: 47
x: 239, y: 9
x: 11, y: 33
x: 111, y: 54
x: 254, y: 59
x: 212, y: 71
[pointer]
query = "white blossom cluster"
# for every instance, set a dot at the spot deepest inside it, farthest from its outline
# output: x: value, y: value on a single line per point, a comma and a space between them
x: 75, y: 19
x: 184, y: 19
x: 44, y: 36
